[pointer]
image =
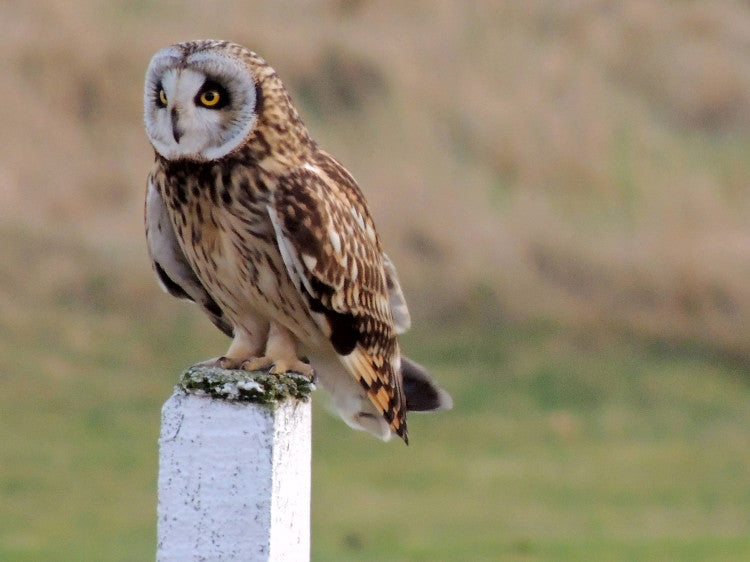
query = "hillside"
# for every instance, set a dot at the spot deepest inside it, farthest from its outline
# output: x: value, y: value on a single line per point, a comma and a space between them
x: 585, y: 163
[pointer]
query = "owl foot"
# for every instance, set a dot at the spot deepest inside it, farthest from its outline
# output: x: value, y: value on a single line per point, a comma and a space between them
x: 229, y: 363
x: 222, y: 362
x: 217, y: 362
x: 279, y: 366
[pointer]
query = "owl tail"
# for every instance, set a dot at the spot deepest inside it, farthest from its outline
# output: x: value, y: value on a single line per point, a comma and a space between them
x: 350, y: 400
x: 422, y: 392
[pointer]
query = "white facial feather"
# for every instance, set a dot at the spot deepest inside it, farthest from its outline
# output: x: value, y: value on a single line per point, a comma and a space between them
x: 206, y: 134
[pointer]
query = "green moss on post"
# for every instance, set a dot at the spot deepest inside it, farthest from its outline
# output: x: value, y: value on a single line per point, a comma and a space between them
x: 258, y: 387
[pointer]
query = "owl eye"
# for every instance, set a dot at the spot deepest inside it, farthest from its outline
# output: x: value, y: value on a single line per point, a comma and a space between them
x: 210, y: 98
x: 212, y: 95
x: 162, y: 97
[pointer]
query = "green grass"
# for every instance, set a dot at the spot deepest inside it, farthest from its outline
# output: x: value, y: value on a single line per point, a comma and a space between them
x: 555, y: 451
x: 560, y: 446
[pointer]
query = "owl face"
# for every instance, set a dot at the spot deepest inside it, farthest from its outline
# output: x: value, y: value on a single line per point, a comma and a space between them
x: 198, y: 104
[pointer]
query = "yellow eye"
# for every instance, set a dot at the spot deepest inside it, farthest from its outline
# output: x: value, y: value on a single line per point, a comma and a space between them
x: 210, y: 98
x: 163, y: 97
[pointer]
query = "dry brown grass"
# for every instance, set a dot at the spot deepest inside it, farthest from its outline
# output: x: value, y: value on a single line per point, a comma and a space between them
x: 585, y: 161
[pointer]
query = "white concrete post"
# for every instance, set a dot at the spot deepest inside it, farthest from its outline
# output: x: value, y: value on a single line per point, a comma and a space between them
x: 234, y: 468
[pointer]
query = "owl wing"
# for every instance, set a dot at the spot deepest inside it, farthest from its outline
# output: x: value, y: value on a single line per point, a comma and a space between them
x: 401, y: 316
x: 332, y: 252
x: 175, y: 275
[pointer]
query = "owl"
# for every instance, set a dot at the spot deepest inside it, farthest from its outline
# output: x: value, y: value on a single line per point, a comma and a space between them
x: 272, y: 238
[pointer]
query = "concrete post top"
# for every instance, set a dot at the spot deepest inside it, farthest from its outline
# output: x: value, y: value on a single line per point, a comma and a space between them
x: 258, y: 387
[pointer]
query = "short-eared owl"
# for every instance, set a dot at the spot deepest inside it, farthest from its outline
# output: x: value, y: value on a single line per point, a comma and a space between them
x: 249, y: 218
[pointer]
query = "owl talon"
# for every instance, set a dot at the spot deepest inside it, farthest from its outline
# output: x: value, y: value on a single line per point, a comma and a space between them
x: 279, y: 367
x: 257, y: 364
x: 298, y: 367
x: 218, y: 362
x: 229, y: 363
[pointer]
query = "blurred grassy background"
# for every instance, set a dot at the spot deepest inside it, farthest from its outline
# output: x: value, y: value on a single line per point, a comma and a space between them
x: 563, y: 187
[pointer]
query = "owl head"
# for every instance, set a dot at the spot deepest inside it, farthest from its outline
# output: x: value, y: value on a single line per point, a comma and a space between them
x: 201, y: 99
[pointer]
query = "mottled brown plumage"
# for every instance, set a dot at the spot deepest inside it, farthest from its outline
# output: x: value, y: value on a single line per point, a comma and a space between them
x: 269, y: 234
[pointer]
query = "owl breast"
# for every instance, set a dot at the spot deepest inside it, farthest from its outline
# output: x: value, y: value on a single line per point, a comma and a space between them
x: 222, y: 224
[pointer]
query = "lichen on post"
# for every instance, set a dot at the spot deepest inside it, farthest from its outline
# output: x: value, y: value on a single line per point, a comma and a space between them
x: 234, y: 467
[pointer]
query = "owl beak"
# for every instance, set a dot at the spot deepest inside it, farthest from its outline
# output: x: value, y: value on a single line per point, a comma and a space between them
x: 177, y: 132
